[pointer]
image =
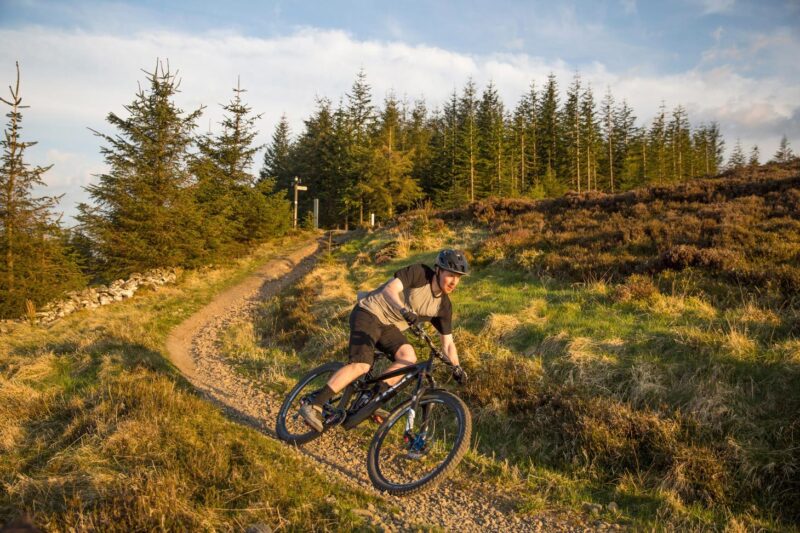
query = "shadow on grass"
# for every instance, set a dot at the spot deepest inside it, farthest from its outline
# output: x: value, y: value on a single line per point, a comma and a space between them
x: 77, y: 371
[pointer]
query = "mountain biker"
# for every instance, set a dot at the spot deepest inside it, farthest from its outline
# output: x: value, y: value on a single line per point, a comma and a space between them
x: 416, y: 293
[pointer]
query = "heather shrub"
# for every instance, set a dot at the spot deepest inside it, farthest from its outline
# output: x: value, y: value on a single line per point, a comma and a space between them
x: 737, y: 229
x: 636, y: 287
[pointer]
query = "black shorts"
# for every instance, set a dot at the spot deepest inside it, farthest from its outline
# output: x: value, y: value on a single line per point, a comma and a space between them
x: 368, y: 334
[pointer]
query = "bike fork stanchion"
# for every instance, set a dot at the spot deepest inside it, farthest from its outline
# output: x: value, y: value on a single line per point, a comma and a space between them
x: 410, y: 420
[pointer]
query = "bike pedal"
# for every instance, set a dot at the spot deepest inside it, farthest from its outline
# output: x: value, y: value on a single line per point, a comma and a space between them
x: 378, y: 419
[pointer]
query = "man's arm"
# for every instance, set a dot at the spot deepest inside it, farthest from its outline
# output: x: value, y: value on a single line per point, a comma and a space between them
x: 392, y: 291
x: 449, y: 348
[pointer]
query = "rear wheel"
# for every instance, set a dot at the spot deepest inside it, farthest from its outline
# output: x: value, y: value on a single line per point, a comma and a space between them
x: 416, y: 449
x: 290, y: 426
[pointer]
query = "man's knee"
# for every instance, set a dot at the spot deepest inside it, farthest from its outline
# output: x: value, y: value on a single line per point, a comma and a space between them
x: 361, y: 368
x: 406, y: 354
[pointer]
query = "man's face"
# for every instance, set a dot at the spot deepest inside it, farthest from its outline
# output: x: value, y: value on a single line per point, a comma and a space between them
x: 448, y: 281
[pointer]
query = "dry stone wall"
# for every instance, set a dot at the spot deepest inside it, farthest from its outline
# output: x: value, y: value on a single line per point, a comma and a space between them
x: 116, y: 291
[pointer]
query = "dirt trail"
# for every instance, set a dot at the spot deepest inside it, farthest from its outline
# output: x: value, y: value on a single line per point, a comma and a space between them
x: 193, y: 349
x: 267, y: 281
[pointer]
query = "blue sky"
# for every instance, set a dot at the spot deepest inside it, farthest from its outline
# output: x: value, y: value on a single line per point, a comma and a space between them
x: 726, y: 60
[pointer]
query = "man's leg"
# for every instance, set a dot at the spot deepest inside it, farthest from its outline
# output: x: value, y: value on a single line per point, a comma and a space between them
x: 346, y: 375
x: 404, y: 356
x: 312, y: 412
x: 364, y: 329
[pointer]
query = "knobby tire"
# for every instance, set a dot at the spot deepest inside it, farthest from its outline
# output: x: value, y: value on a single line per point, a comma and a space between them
x: 292, y: 402
x: 460, y: 447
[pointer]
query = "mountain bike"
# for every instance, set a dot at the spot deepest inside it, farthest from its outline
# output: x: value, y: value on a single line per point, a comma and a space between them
x: 420, y: 440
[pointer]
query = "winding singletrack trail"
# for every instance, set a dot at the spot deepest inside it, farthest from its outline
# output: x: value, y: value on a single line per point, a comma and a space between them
x: 453, y: 505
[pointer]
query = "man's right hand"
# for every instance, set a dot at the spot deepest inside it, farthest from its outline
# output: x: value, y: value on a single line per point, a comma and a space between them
x: 460, y: 375
x: 410, y: 316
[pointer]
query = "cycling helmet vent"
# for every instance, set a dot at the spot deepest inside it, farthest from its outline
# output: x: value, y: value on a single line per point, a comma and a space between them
x: 452, y: 260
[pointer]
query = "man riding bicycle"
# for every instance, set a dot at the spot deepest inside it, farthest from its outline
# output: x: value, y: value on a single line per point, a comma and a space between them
x: 416, y: 293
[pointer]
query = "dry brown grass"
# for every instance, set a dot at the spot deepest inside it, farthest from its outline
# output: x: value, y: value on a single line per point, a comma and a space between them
x: 313, y: 314
x: 251, y: 354
x: 140, y: 453
x: 551, y: 346
x: 647, y: 384
x: 790, y: 351
x: 535, y: 313
x: 101, y: 433
x: 501, y: 327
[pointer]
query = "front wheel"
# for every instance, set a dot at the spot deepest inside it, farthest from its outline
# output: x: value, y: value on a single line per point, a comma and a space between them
x: 290, y: 426
x: 416, y: 449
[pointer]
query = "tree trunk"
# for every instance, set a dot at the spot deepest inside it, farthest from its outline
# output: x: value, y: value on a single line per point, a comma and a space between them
x: 644, y: 161
x: 577, y: 150
x: 611, y: 164
x: 522, y: 163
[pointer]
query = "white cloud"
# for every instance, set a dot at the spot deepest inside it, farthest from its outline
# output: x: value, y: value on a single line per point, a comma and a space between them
x: 70, y: 169
x: 756, y: 54
x: 69, y: 174
x: 73, y: 79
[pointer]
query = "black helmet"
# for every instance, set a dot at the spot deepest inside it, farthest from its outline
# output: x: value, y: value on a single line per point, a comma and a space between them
x: 452, y: 260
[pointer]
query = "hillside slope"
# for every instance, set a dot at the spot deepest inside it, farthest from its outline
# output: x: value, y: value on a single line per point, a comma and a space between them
x: 637, y: 350
x: 100, y: 432
x: 741, y: 228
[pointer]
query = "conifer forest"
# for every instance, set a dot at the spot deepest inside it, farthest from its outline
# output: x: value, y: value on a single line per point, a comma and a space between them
x: 172, y: 196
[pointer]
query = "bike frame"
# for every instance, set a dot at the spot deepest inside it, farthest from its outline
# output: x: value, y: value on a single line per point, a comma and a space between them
x: 423, y: 371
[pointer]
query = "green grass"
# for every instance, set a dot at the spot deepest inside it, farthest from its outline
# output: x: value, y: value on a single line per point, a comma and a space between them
x: 101, y: 432
x: 644, y: 393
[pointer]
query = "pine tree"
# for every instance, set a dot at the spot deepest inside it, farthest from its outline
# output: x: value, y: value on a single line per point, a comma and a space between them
x: 419, y: 137
x: 610, y: 140
x: 699, y: 148
x: 36, y: 264
x: 625, y: 134
x: 360, y: 111
x: 573, y: 132
x: 490, y: 141
x: 714, y: 149
x: 471, y: 148
x: 658, y: 144
x: 680, y: 146
x: 467, y: 139
x: 637, y: 158
x: 755, y: 157
x: 784, y: 153
x: 322, y: 159
x: 277, y: 158
x: 360, y: 115
x: 549, y: 135
x: 525, y: 131
x: 737, y: 159
x: 144, y: 214
x: 443, y: 184
x: 590, y: 132
x: 233, y: 209
x: 389, y: 184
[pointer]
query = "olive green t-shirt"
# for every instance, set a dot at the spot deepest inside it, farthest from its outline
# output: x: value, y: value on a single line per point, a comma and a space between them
x: 417, y: 295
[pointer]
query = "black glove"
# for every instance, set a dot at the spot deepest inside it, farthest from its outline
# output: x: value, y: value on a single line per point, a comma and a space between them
x: 459, y: 375
x: 411, y: 317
